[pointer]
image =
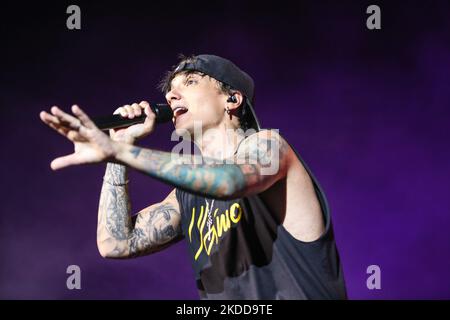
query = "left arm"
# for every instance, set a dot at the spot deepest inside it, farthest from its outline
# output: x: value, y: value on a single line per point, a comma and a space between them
x: 262, y: 159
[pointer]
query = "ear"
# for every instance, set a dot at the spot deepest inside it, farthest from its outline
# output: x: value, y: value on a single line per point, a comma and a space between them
x: 239, y: 98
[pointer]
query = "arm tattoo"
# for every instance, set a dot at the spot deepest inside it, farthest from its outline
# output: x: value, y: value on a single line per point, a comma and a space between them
x: 209, y: 178
x: 116, y: 174
x: 114, y: 222
x: 212, y: 178
x: 118, y: 220
x: 118, y: 233
x: 153, y: 229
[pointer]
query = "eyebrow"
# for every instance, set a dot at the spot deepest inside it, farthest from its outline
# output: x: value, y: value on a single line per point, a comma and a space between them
x: 194, y: 74
x: 185, y: 77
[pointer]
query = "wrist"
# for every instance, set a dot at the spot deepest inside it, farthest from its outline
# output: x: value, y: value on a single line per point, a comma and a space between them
x: 117, y: 149
x: 122, y: 152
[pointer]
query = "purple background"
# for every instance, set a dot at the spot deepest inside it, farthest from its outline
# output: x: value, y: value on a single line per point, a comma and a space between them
x: 367, y: 110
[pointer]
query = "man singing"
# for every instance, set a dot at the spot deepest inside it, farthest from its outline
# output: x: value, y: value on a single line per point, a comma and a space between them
x: 256, y: 221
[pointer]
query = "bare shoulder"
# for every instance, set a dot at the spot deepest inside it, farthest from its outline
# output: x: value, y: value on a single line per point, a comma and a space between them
x: 293, y: 197
x: 269, y: 138
x: 269, y: 150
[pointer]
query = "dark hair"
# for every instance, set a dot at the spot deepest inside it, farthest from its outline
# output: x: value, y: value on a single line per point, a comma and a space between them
x: 164, y: 84
x: 243, y: 113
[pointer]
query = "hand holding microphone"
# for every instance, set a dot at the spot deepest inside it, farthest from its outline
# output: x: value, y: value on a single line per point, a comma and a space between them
x: 132, y: 122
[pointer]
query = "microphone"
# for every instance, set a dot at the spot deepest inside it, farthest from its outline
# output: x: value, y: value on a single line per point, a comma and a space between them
x: 162, y: 111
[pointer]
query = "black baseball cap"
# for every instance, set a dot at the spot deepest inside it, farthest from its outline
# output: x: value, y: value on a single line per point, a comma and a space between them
x: 224, y: 71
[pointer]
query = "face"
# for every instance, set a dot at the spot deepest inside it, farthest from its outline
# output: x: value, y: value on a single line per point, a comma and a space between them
x: 194, y: 97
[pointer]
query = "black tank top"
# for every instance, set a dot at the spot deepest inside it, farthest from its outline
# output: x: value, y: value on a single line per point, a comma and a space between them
x: 239, y: 250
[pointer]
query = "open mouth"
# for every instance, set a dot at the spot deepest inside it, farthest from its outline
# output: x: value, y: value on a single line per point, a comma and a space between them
x: 178, y: 111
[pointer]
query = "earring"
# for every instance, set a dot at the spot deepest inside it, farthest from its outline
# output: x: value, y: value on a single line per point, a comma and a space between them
x: 229, y: 112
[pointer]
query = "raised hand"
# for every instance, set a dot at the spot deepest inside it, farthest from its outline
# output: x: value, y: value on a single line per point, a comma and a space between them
x: 90, y: 143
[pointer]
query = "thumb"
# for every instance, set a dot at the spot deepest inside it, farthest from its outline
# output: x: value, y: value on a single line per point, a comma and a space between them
x: 147, y: 110
x: 150, y: 119
x: 65, y: 161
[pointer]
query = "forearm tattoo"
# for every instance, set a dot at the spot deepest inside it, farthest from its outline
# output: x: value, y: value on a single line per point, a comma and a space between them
x: 210, y: 177
x: 116, y: 232
x: 116, y: 174
x: 182, y: 171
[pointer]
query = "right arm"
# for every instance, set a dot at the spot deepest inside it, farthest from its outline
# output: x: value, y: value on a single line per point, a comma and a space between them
x: 118, y: 235
x: 155, y: 227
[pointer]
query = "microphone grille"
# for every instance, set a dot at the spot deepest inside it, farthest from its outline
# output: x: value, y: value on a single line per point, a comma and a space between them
x: 163, y: 112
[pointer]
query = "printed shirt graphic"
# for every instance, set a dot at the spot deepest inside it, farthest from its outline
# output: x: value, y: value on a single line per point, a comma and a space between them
x: 239, y: 250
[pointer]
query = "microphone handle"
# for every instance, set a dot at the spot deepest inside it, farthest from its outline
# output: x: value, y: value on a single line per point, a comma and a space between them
x: 162, y: 111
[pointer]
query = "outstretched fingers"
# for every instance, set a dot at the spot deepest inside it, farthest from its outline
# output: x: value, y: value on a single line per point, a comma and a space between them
x: 85, y: 120
x: 65, y: 118
x: 54, y: 123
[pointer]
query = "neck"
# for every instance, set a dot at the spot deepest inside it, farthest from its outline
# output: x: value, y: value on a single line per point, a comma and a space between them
x: 219, y: 142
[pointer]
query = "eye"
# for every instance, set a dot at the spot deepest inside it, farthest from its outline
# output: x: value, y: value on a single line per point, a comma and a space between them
x: 190, y: 81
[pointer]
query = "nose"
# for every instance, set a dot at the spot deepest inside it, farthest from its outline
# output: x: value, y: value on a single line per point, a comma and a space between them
x: 172, y: 95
